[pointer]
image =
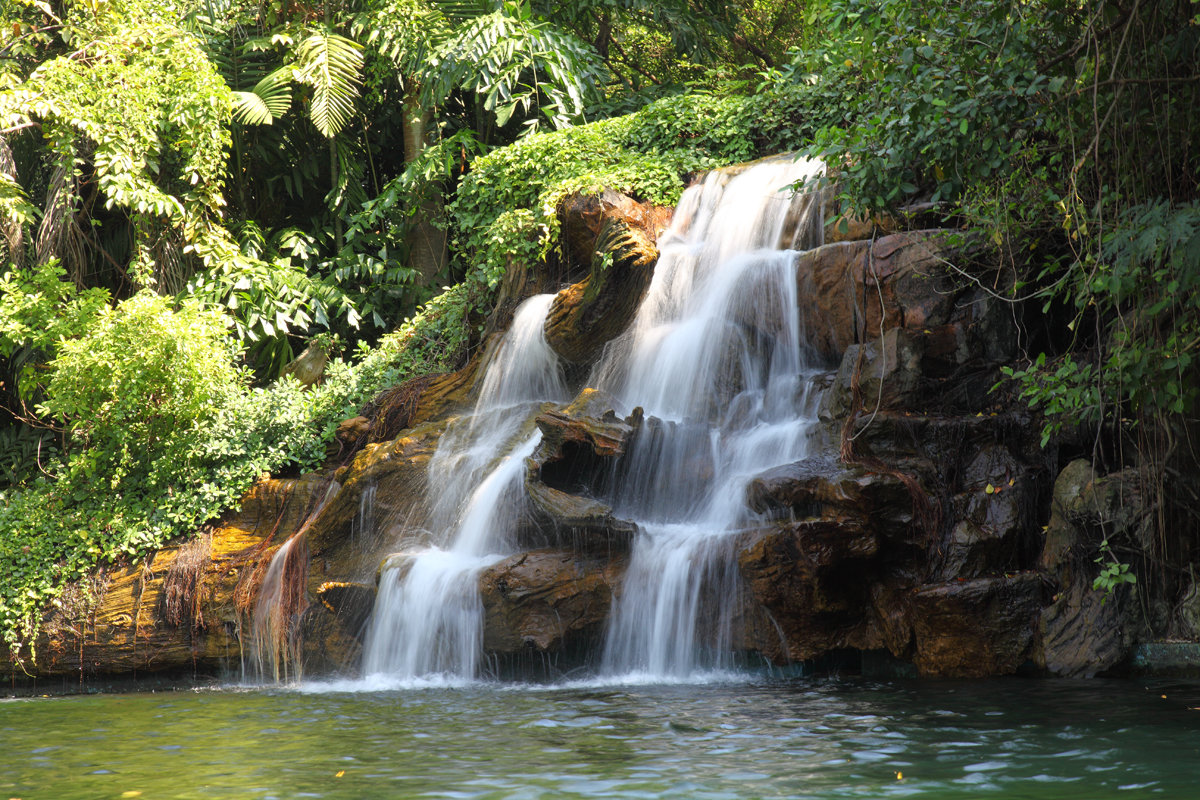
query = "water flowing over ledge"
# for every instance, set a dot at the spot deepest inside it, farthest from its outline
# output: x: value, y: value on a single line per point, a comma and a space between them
x: 722, y: 444
x: 720, y: 262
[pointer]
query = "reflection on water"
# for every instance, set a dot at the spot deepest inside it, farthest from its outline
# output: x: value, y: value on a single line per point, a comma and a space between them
x: 799, y: 738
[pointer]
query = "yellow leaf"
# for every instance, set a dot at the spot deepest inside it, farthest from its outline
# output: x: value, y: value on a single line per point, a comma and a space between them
x: 990, y: 489
x: 340, y: 773
x: 899, y: 776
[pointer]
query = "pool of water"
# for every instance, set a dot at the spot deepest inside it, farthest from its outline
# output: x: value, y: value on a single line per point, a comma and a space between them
x: 796, y: 738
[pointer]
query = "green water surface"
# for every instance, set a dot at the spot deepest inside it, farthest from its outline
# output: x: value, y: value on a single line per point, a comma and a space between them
x: 798, y: 738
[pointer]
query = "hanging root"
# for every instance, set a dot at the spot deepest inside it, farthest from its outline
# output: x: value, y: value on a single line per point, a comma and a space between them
x: 281, y: 601
x: 183, y: 594
x: 390, y: 412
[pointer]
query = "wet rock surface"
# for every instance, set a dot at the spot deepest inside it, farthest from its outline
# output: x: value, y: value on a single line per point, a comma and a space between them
x: 975, y: 628
x: 1087, y: 630
x: 924, y: 542
x: 547, y: 600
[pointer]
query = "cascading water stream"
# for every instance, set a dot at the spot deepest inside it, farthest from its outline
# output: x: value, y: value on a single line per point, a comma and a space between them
x: 716, y: 359
x: 427, y: 619
x: 716, y: 354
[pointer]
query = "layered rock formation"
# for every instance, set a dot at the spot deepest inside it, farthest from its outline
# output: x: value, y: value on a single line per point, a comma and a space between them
x: 918, y: 533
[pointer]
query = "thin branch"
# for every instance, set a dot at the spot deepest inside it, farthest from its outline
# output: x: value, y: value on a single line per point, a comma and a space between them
x: 23, y: 126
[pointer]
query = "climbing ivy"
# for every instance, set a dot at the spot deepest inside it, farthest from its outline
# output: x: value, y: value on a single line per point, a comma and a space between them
x: 504, y: 209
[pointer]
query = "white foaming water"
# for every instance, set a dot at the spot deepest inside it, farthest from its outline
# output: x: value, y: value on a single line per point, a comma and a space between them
x: 716, y: 355
x: 428, y: 618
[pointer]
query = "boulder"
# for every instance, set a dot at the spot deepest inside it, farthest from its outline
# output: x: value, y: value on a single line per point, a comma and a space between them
x: 1086, y: 631
x: 575, y: 523
x: 587, y: 314
x: 821, y: 486
x: 583, y: 216
x: 813, y: 578
x: 1082, y: 632
x: 547, y: 601
x: 975, y: 628
x: 994, y: 529
x: 890, y: 375
x: 854, y: 290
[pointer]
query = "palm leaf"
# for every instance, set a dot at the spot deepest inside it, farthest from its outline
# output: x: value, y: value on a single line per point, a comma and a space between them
x: 332, y: 66
x: 268, y: 102
x: 250, y: 109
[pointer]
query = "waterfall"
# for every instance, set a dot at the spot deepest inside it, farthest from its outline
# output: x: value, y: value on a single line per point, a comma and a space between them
x: 428, y: 618
x: 280, y: 600
x: 716, y: 359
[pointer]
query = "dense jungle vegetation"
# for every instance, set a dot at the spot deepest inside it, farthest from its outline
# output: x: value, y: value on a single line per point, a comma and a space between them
x: 192, y: 192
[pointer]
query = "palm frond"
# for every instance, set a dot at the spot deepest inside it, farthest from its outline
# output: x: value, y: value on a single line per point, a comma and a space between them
x: 270, y: 100
x: 332, y: 66
x: 517, y: 62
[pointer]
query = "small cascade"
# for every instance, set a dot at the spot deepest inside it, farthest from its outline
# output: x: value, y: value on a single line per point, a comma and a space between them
x: 427, y: 620
x: 716, y: 359
x: 279, y: 602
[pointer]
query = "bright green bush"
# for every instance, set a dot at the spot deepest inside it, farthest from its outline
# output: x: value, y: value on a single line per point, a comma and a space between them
x: 137, y: 387
x: 157, y: 455
x: 504, y: 208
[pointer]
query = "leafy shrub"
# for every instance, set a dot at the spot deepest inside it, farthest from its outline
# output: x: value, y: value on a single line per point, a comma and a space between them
x: 504, y: 208
x: 53, y: 531
x: 1146, y: 280
x: 135, y: 389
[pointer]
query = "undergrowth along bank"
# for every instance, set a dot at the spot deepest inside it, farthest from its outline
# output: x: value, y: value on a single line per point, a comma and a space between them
x: 175, y: 436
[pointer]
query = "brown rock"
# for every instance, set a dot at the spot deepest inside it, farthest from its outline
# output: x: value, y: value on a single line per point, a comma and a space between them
x: 860, y: 289
x: 587, y: 314
x: 582, y: 217
x: 995, y: 532
x: 578, y: 524
x: 179, y: 610
x: 823, y: 487
x: 890, y: 375
x: 605, y: 436
x: 975, y: 628
x: 813, y: 578
x: 546, y: 601
x: 1083, y: 633
x: 381, y: 493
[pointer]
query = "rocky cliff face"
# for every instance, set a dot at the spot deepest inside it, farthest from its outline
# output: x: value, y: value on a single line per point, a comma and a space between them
x: 919, y: 533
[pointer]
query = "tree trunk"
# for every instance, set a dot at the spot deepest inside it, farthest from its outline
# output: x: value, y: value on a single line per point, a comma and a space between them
x: 427, y: 240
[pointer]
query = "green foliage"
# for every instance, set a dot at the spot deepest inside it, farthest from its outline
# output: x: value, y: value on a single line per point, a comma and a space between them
x: 504, y: 210
x: 935, y: 98
x: 149, y: 112
x: 1113, y: 572
x: 270, y: 99
x: 171, y: 438
x: 1033, y: 119
x: 332, y: 66
x: 1145, y: 282
x: 139, y: 385
x: 24, y: 453
x: 513, y: 60
x: 38, y: 308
